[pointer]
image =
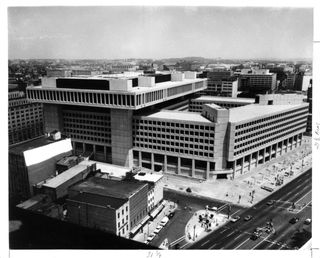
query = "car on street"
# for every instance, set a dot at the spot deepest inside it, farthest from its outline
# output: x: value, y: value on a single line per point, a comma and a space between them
x: 151, y: 237
x: 213, y: 208
x: 235, y: 219
x: 307, y: 221
x: 247, y: 218
x: 256, y: 234
x: 158, y: 228
x: 270, y: 202
x: 171, y: 214
x: 294, y: 220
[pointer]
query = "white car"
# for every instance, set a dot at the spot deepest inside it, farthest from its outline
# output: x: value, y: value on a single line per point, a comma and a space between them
x: 235, y: 219
x: 164, y: 221
x: 151, y: 237
x: 158, y: 228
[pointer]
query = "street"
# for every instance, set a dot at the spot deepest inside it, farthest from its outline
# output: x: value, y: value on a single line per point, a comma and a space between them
x: 237, y: 235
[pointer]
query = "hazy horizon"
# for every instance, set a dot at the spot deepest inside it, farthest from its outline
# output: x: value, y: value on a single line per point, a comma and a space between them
x: 150, y: 32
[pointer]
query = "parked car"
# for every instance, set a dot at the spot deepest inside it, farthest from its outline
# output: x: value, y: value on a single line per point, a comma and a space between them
x: 294, y: 220
x: 267, y: 188
x: 151, y: 237
x: 164, y: 221
x: 307, y: 221
x: 158, y: 228
x: 248, y: 217
x: 235, y: 219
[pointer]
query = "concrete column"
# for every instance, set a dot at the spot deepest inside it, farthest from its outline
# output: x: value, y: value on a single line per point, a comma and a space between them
x: 281, y: 147
x: 179, y: 166
x: 297, y: 139
x: 257, y: 159
x: 286, y: 145
x: 276, y: 154
x: 140, y: 159
x: 152, y: 161
x: 234, y: 165
x: 264, y: 155
x: 193, y: 167
x: 121, y: 137
x: 207, y: 176
x: 52, y: 117
x: 105, y: 152
x: 83, y: 147
x: 94, y: 150
x: 242, y: 165
x: 250, y: 160
x: 165, y: 163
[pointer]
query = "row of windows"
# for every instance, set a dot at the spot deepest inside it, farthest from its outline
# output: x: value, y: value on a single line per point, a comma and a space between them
x: 137, y: 122
x: 267, y: 141
x: 146, y: 131
x: 262, y: 120
x: 83, y: 97
x: 170, y: 139
x: 179, y: 89
x: 87, y: 137
x: 188, y: 151
x: 270, y: 128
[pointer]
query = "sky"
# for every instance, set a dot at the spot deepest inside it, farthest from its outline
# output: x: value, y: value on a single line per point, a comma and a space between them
x: 159, y: 32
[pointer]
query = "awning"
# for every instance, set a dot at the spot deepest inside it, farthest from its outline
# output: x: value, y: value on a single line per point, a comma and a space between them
x: 156, y: 211
x: 140, y: 225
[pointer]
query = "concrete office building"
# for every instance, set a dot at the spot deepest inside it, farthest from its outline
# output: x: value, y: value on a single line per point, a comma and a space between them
x: 257, y: 81
x: 117, y: 206
x: 221, y: 83
x: 126, y: 126
x: 25, y: 119
x: 97, y: 112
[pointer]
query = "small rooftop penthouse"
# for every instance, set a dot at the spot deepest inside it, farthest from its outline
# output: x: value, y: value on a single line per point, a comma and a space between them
x: 122, y: 93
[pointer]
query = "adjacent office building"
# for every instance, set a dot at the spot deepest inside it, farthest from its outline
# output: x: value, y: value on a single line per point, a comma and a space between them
x: 257, y: 81
x: 25, y: 118
x: 32, y: 162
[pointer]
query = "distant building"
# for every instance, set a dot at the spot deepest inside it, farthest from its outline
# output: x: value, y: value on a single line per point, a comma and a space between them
x: 32, y: 162
x: 257, y: 81
x: 25, y: 118
x: 309, y: 100
x: 116, y: 206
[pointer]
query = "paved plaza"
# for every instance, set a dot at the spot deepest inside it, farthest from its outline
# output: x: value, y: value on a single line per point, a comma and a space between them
x: 245, y: 190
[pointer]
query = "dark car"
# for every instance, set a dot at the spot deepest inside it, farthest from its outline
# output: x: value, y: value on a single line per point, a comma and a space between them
x: 247, y: 218
x: 171, y: 214
x: 255, y: 235
x: 270, y: 202
x: 294, y: 220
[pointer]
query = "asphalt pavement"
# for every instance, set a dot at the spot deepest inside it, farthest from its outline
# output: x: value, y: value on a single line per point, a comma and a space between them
x: 237, y: 235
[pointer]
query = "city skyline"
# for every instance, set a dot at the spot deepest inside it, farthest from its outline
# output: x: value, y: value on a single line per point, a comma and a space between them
x: 159, y: 32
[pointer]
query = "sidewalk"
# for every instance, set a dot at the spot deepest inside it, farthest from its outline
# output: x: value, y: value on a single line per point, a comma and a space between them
x: 240, y: 190
x: 151, y: 225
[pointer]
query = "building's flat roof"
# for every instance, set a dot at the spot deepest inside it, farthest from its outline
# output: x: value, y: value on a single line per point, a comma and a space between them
x: 255, y: 111
x: 28, y: 145
x: 66, y: 175
x: 112, y: 170
x: 179, y: 115
x: 32, y: 201
x: 99, y: 200
x: 167, y: 84
x: 225, y: 99
x: 148, y: 177
x: 107, y: 187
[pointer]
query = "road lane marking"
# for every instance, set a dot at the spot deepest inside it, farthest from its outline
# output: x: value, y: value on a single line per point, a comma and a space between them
x: 231, y: 234
x: 263, y: 239
x: 237, y: 237
x: 184, y: 245
x: 235, y: 213
x: 242, y: 243
x: 303, y: 196
x: 223, y: 230
x: 213, y: 245
x: 205, y: 242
